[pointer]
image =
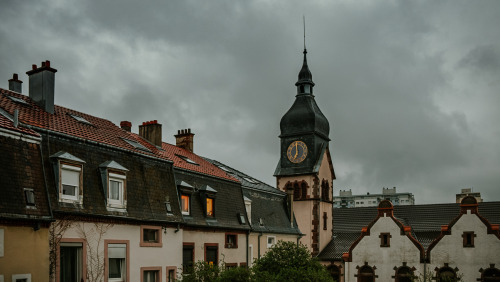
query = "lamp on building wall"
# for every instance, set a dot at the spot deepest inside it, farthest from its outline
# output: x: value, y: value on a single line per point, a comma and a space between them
x: 164, y: 229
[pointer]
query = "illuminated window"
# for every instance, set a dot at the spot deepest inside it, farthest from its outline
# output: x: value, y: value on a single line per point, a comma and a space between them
x: 210, y: 207
x: 185, y: 204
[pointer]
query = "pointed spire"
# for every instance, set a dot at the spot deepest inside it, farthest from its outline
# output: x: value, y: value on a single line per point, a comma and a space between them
x: 305, y: 74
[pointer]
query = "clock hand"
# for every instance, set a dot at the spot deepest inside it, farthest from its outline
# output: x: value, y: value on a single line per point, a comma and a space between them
x: 296, y: 151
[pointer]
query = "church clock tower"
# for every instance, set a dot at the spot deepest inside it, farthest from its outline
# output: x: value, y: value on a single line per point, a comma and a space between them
x: 305, y: 167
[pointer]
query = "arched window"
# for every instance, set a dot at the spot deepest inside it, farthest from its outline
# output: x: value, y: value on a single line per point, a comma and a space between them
x: 325, y: 189
x: 446, y: 274
x: 366, y: 273
x: 404, y: 273
x: 296, y: 191
x: 334, y: 272
x: 304, y: 189
x: 490, y: 274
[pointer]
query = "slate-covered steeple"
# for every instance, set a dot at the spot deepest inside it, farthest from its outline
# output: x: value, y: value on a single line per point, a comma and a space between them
x: 305, y: 83
x: 304, y: 121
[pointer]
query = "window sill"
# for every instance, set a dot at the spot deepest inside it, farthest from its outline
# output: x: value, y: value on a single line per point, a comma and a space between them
x: 151, y: 244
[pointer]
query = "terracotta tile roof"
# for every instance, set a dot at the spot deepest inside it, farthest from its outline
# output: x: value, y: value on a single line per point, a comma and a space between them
x: 178, y: 155
x: 8, y: 124
x: 101, y: 131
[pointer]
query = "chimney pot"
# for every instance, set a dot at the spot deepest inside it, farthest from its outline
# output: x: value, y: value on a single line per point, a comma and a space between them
x: 126, y: 125
x: 43, y: 64
x: 184, y: 139
x: 15, y: 84
x: 33, y: 67
x: 47, y: 63
x: 152, y: 132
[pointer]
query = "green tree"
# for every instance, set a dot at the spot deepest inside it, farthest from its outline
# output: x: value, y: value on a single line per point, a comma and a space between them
x: 287, y: 261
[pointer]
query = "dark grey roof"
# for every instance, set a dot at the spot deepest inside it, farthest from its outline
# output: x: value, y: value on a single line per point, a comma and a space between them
x: 228, y: 203
x: 244, y: 178
x: 425, y: 221
x: 268, y: 203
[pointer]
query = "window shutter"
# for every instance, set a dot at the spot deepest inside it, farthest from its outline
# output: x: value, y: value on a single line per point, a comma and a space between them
x: 117, y: 250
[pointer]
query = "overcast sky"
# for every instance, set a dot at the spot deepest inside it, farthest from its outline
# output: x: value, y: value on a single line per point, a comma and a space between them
x: 411, y: 88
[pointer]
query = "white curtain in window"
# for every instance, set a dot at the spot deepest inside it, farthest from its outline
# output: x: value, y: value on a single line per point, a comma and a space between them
x: 117, y: 254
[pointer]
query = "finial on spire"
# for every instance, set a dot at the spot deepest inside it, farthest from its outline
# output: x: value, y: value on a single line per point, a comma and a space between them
x: 304, y: 22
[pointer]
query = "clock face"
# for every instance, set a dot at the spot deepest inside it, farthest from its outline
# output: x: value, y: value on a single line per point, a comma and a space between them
x: 297, y: 152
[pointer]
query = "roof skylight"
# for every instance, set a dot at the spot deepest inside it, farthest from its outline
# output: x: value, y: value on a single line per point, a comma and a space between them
x: 136, y: 145
x: 18, y: 100
x: 80, y: 119
x: 251, y: 180
x: 188, y: 160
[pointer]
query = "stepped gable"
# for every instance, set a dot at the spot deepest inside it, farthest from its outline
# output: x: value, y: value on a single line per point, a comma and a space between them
x: 424, y: 220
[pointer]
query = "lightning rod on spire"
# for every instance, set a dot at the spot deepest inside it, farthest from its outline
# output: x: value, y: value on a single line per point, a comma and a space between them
x: 304, y: 22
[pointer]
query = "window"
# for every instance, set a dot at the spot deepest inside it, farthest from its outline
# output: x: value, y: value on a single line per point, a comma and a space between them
x: 80, y: 119
x: 116, y: 192
x: 210, y: 207
x: 187, y: 160
x: 231, y: 265
x: 490, y: 274
x: 334, y: 272
x: 212, y: 253
x: 168, y: 207
x: 171, y: 273
x: 187, y: 257
x: 469, y: 239
x: 325, y: 220
x: 446, y: 273
x: 185, y: 199
x: 136, y: 145
x: 21, y: 278
x: 404, y: 273
x: 151, y: 274
x: 385, y: 239
x: 271, y: 240
x: 231, y: 241
x: 70, y: 261
x: 70, y: 182
x: 117, y: 256
x: 365, y: 273
x: 151, y: 236
x: 29, y: 196
x: 241, y: 218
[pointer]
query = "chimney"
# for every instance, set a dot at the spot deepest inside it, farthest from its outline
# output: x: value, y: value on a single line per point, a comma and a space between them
x: 15, y: 84
x: 126, y: 125
x: 184, y: 139
x: 41, y: 88
x: 151, y: 131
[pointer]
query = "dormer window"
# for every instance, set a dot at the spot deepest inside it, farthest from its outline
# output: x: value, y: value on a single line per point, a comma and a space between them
x: 69, y: 170
x: 185, y: 191
x: 114, y: 178
x: 207, y: 195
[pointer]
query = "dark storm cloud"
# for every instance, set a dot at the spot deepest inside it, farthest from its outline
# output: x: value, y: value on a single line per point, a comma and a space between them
x: 410, y: 87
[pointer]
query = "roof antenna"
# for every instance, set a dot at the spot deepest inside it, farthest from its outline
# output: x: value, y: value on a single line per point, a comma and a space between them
x: 304, y: 22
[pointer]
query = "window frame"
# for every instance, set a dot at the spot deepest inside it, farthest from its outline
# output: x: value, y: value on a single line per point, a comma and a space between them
x: 121, y: 178
x: 383, y: 236
x: 211, y: 245
x: 84, y: 255
x: 227, y: 245
x: 106, y: 260
x: 158, y: 243
x: 188, y: 245
x: 468, y: 235
x: 29, y: 204
x: 188, y: 196
x: 212, y: 201
x: 273, y: 243
x: 71, y: 167
x: 152, y: 268
x: 167, y: 270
